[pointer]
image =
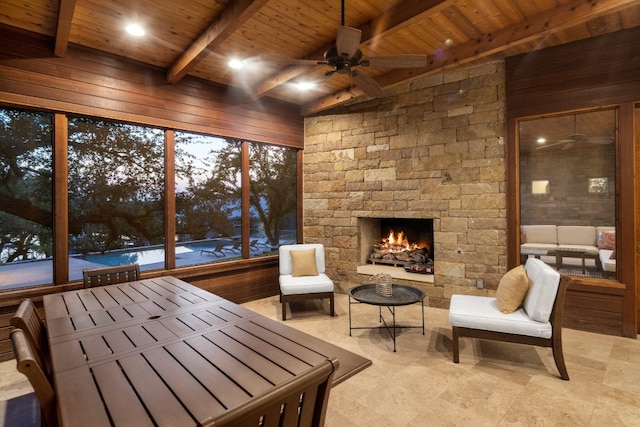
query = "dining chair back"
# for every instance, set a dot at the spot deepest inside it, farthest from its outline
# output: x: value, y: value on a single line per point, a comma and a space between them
x: 111, y: 275
x: 30, y: 364
x: 301, y: 402
x: 28, y: 319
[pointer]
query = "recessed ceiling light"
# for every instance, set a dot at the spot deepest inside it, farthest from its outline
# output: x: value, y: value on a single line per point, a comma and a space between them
x: 303, y: 86
x: 448, y: 42
x: 135, y: 29
x: 541, y: 140
x: 236, y: 64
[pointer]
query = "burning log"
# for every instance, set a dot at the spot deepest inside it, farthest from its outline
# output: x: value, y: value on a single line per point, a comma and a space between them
x: 397, y: 250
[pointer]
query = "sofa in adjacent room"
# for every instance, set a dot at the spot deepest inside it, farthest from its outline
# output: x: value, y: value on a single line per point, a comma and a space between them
x: 570, y: 241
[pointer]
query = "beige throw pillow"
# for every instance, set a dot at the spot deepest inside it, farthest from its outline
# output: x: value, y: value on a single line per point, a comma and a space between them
x: 512, y: 289
x: 303, y: 262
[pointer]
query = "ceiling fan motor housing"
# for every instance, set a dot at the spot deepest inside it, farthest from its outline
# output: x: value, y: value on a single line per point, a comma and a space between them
x: 341, y: 63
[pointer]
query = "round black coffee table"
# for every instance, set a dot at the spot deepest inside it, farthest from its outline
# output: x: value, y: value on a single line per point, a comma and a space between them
x: 401, y: 295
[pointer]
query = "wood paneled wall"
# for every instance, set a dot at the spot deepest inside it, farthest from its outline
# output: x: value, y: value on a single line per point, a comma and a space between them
x: 93, y: 84
x: 597, y: 72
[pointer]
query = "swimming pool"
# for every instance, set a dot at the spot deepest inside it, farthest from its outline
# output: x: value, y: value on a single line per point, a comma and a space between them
x: 188, y: 253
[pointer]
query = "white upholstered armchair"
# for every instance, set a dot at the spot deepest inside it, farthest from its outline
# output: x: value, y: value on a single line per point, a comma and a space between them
x: 302, y: 275
x: 535, y: 319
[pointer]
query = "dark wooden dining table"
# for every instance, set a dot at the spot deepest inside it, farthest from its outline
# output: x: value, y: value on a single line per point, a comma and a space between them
x: 164, y: 352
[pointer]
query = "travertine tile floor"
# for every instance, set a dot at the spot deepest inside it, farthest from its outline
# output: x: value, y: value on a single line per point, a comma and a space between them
x: 495, y: 384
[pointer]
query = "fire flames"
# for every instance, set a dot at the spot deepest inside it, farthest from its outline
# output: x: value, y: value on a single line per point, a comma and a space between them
x: 398, y: 242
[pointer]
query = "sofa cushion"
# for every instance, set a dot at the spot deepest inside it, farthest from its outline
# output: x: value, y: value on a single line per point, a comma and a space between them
x: 583, y: 235
x: 539, y: 234
x: 512, y: 289
x: 538, y: 248
x: 478, y: 312
x: 290, y: 285
x: 303, y: 263
x: 538, y: 303
x: 608, y: 263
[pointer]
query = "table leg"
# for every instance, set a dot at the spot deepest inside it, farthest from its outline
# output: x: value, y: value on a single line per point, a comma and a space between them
x: 558, y: 261
x: 349, y: 315
x: 393, y: 314
x: 422, y: 303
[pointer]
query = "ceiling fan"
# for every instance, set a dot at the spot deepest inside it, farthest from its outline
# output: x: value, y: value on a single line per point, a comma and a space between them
x: 577, y: 138
x: 346, y: 58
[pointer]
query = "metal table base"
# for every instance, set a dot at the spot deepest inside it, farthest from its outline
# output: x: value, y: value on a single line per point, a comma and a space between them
x: 365, y: 294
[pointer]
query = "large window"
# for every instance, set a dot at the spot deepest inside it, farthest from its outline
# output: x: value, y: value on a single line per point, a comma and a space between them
x: 116, y: 194
x: 26, y: 219
x: 568, y: 191
x: 208, y: 199
x: 273, y: 197
x: 233, y: 199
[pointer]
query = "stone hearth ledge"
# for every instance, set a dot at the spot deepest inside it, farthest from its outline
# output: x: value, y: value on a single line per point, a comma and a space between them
x: 395, y: 272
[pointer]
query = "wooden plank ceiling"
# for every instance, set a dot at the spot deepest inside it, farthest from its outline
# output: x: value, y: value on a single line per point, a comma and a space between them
x: 199, y: 37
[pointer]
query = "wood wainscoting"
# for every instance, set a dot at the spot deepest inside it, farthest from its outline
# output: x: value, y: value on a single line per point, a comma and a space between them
x: 594, y: 308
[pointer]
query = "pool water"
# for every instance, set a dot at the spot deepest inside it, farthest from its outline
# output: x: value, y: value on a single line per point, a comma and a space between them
x: 142, y: 257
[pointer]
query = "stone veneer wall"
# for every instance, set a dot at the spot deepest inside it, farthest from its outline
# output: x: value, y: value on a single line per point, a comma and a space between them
x: 432, y: 148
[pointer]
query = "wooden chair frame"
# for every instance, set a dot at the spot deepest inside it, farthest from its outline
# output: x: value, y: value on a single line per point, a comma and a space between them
x: 28, y: 319
x: 301, y: 401
x: 30, y: 364
x: 284, y: 299
x: 111, y: 275
x: 555, y: 342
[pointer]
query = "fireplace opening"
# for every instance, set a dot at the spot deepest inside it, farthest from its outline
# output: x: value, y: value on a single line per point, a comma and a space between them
x: 401, y: 242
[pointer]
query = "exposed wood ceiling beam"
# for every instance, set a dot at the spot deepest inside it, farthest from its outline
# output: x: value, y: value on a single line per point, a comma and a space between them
x: 65, y: 15
x: 535, y: 28
x: 392, y: 20
x: 230, y: 20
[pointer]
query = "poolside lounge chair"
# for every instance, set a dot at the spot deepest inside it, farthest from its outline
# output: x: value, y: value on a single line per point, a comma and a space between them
x: 217, y: 251
x: 257, y: 245
x: 236, y: 248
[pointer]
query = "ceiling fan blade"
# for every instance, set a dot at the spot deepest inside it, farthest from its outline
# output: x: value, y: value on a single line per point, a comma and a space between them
x: 366, y: 83
x: 602, y: 140
x: 396, y: 61
x: 543, y: 147
x: 348, y: 41
x: 283, y: 61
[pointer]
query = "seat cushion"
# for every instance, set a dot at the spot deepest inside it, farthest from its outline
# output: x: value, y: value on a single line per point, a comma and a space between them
x: 608, y: 263
x: 538, y: 303
x: 477, y: 312
x: 290, y: 285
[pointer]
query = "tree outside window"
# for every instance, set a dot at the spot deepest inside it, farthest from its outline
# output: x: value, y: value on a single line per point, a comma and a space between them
x: 116, y: 195
x: 26, y: 171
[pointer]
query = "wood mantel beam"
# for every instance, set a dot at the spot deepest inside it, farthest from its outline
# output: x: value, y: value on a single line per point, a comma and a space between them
x: 220, y: 29
x: 392, y: 20
x: 63, y: 29
x: 533, y: 29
